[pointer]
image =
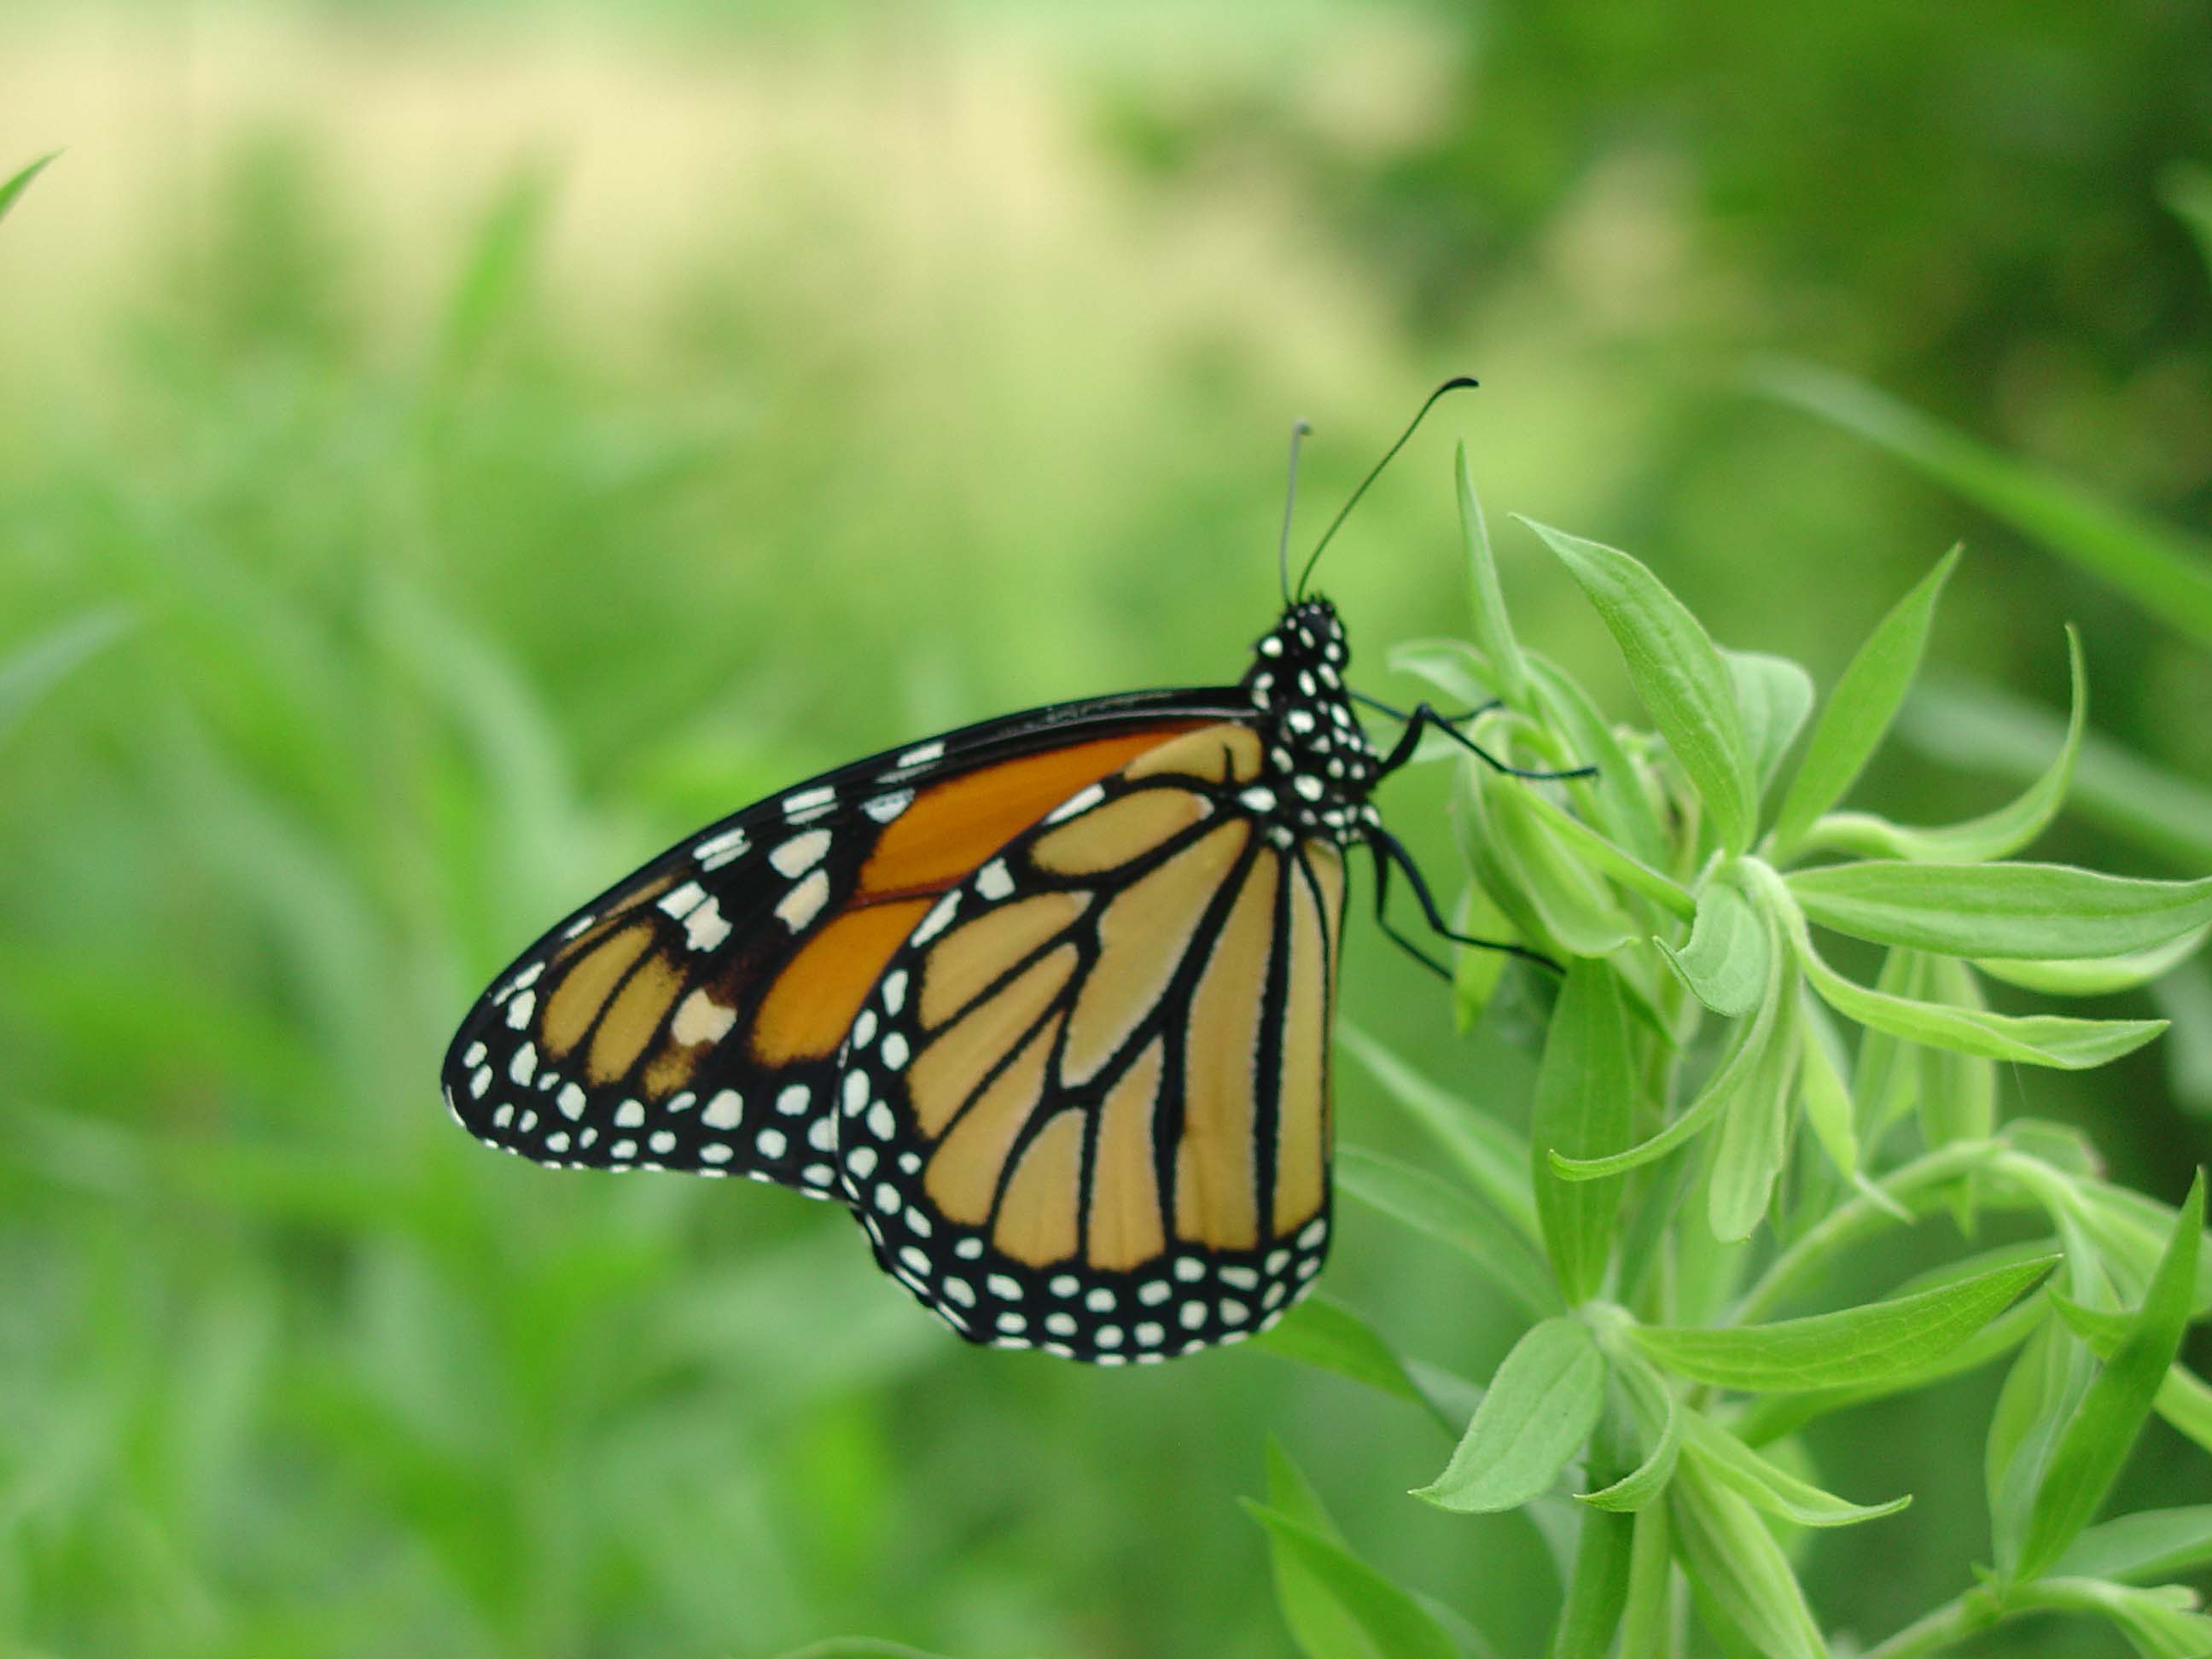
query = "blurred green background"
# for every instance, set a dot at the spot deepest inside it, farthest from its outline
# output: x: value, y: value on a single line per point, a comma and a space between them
x: 446, y: 452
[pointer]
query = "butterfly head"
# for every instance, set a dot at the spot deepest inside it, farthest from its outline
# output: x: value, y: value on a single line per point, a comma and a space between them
x: 1320, y: 768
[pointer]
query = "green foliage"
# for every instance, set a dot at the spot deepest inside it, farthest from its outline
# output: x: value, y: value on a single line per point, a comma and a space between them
x: 1705, y: 1141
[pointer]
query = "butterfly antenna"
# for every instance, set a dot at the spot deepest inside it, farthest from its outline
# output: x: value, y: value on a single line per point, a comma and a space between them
x: 1454, y: 384
x: 1298, y: 430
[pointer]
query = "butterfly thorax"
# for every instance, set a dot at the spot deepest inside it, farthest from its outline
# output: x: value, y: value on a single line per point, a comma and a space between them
x: 1320, y: 767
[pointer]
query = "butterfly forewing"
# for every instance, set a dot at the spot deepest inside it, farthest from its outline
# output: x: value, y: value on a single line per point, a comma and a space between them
x: 1086, y: 1107
x: 691, y: 1017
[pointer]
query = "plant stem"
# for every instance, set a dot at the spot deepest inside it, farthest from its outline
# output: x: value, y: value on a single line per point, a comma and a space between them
x: 1856, y: 1215
x: 1964, y: 1615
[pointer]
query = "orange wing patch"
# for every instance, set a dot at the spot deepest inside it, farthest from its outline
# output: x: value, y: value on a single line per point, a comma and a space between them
x: 809, y: 1007
x: 952, y: 827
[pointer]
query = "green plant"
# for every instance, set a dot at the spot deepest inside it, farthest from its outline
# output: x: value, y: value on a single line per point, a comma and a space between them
x: 1706, y: 1151
x: 2165, y: 571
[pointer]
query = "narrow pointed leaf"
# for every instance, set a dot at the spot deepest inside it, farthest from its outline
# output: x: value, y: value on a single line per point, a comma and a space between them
x: 1729, y: 1552
x: 1755, y: 1132
x: 1318, y: 1622
x: 1822, y: 1088
x: 2169, y: 574
x: 19, y: 182
x: 2095, y: 976
x: 2150, y: 1545
x: 1546, y: 885
x: 1774, y: 696
x: 2038, y: 1039
x: 1493, y: 632
x: 1768, y: 1488
x: 1539, y: 1409
x: 2027, y: 910
x: 1977, y: 729
x: 2089, y: 1455
x: 1740, y: 1065
x: 1857, y: 1345
x: 1584, y: 1090
x: 1494, y: 1159
x: 1388, y: 1617
x: 1615, y: 801
x: 1330, y: 1337
x: 1453, y: 1216
x: 1658, y: 1412
x: 1679, y: 674
x: 1859, y: 711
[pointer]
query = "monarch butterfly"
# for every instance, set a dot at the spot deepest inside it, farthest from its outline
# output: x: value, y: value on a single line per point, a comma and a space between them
x: 1045, y: 1001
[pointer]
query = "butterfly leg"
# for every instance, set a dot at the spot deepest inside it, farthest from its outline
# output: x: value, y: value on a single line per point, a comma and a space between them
x: 1388, y: 850
x: 1426, y: 716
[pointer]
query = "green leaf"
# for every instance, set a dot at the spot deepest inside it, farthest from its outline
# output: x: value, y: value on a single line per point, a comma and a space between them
x: 1585, y: 1089
x: 2036, y: 1039
x: 1605, y: 858
x: 2159, y: 1623
x: 1995, y: 835
x: 1394, y: 1621
x: 1977, y: 729
x: 1330, y: 1337
x: 1770, y: 1488
x: 1454, y: 667
x: 2187, y: 192
x: 1678, y: 673
x: 1865, y: 703
x: 2096, y: 1442
x: 1855, y: 1345
x: 32, y: 669
x: 1494, y: 1159
x: 1754, y: 1133
x: 2095, y: 976
x: 2132, y: 1230
x: 2168, y: 574
x: 1539, y: 1408
x: 1615, y: 801
x: 2025, y: 910
x: 1742, y: 1063
x: 497, y: 271
x: 1476, y: 970
x: 1959, y: 1098
x: 2184, y: 997
x: 1824, y: 1090
x: 2039, y: 1394
x: 1549, y: 891
x: 1726, y: 960
x: 2150, y: 1545
x: 1772, y: 1416
x: 2184, y: 1400
x: 1774, y: 696
x: 21, y: 181
x: 1647, y: 1622
x: 1657, y: 1412
x: 1453, y: 1216
x: 1318, y: 1624
x: 1597, y: 1588
x: 1493, y: 632
x: 1729, y: 1551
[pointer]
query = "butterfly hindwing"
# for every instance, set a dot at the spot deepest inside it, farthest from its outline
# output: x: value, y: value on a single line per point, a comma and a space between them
x: 691, y: 1017
x: 1086, y: 1106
